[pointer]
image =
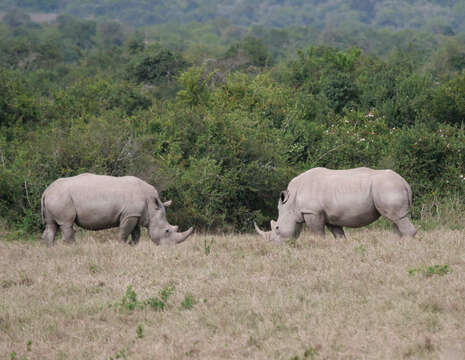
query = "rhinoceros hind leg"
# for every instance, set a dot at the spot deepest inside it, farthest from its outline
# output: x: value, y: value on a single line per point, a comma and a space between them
x: 315, y: 223
x: 135, y: 235
x: 68, y: 233
x: 337, y: 231
x: 50, y: 233
x: 126, y: 227
x: 403, y: 227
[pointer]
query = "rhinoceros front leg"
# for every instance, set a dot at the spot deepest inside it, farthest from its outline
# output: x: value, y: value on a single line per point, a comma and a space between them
x: 135, y: 235
x: 337, y: 231
x: 316, y: 223
x: 126, y: 227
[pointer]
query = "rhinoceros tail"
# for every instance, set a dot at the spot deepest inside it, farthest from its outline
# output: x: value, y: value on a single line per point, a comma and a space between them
x: 409, y: 194
x: 42, y: 207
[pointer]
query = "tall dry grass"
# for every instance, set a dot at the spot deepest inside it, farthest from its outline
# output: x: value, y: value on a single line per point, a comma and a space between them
x: 236, y: 297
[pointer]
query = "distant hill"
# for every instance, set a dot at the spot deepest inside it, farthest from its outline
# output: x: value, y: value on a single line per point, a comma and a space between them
x: 439, y: 16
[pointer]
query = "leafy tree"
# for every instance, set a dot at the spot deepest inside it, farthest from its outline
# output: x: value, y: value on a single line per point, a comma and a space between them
x: 80, y: 32
x: 448, y: 102
x: 15, y: 18
x: 111, y: 34
x: 195, y: 87
x: 156, y: 65
x: 253, y: 49
x: 135, y: 43
x: 17, y: 103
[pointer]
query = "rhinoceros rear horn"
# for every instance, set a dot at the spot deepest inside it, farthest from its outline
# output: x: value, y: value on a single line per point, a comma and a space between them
x: 263, y: 234
x: 184, y: 235
x: 167, y: 203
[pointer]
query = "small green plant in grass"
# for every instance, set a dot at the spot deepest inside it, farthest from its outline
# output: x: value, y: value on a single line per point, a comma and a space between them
x: 29, y: 345
x: 310, y: 353
x: 120, y: 355
x: 93, y: 268
x: 429, y: 271
x: 130, y: 302
x: 166, y: 292
x: 292, y: 242
x: 155, y: 303
x: 12, y: 355
x: 361, y: 249
x: 207, y: 246
x: 188, y: 302
x: 139, y: 331
x: 160, y: 303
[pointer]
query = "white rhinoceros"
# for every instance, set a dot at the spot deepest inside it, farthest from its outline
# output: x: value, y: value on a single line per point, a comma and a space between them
x: 97, y: 202
x: 335, y: 198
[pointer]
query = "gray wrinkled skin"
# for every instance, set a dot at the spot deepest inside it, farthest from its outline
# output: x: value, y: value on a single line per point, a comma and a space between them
x: 97, y: 202
x: 357, y: 197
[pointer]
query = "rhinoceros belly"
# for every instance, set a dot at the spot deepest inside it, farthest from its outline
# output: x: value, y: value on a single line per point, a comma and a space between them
x: 97, y: 217
x: 351, y: 211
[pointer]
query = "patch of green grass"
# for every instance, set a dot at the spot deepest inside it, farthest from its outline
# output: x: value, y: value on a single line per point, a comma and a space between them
x: 130, y: 302
x: 207, y: 246
x: 310, y: 353
x: 120, y: 355
x: 139, y: 331
x: 166, y: 292
x: 94, y: 268
x: 362, y: 249
x: 429, y: 271
x: 188, y: 302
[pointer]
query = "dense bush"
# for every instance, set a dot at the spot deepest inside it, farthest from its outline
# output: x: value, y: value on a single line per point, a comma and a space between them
x: 221, y: 138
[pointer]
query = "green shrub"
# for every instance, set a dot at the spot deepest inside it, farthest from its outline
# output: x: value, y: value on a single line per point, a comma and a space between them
x: 433, y: 162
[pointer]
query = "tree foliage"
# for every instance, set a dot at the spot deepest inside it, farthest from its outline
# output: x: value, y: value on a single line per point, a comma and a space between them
x: 221, y: 128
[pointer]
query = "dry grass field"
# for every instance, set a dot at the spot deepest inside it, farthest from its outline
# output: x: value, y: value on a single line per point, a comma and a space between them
x: 372, y: 296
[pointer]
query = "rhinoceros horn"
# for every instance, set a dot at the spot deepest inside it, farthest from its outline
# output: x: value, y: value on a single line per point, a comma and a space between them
x: 264, y: 234
x: 184, y: 235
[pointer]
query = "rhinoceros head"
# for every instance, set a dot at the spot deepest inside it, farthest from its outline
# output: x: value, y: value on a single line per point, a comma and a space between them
x: 289, y: 221
x: 160, y: 231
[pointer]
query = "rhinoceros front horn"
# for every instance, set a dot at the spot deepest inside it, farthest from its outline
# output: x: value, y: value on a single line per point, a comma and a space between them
x: 264, y: 234
x: 184, y: 235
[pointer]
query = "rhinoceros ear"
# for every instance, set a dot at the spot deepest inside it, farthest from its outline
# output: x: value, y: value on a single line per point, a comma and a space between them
x: 284, y: 196
x: 158, y: 203
x: 167, y: 203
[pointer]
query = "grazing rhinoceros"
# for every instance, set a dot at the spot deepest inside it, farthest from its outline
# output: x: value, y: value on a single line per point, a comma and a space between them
x: 97, y: 202
x: 335, y: 198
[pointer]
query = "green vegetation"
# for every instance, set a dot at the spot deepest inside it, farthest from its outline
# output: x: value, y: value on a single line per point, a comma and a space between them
x: 140, y: 331
x: 429, y: 271
x: 207, y: 246
x: 188, y: 302
x: 310, y: 353
x: 222, y: 109
x: 130, y: 302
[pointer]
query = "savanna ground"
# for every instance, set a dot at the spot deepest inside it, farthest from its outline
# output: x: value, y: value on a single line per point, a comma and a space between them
x: 372, y: 296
